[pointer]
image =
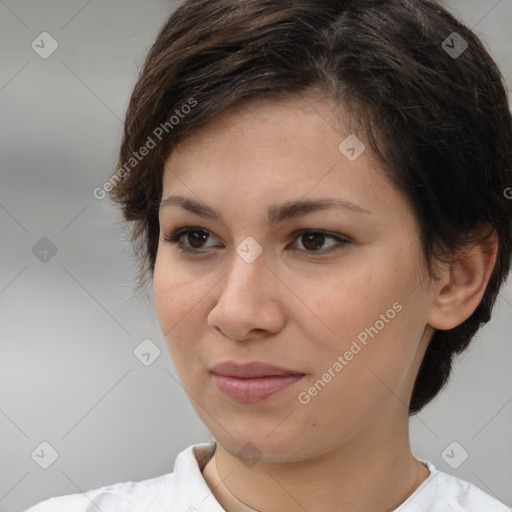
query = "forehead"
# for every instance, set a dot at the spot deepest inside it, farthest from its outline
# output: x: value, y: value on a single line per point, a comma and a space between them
x: 270, y: 151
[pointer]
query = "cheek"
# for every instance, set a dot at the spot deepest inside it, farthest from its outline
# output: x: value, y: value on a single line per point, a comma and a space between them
x: 355, y: 381
x: 342, y: 304
x: 369, y: 314
x: 178, y: 300
x: 175, y: 291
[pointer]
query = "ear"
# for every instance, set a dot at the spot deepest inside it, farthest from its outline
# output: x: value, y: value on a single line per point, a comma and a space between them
x: 462, y: 284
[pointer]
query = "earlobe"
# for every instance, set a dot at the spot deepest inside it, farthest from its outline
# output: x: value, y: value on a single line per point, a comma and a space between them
x: 462, y: 285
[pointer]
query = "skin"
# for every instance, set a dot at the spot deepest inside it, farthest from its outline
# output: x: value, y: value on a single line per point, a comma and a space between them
x: 348, y: 448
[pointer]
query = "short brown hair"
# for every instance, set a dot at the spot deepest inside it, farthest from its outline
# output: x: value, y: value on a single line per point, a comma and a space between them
x: 434, y: 112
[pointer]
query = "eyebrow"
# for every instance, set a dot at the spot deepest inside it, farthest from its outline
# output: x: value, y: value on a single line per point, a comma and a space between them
x: 275, y: 214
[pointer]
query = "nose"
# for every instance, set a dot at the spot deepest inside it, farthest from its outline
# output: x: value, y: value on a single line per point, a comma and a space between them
x: 248, y: 305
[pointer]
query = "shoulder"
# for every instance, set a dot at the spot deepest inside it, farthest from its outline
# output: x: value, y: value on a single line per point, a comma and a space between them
x: 114, y: 497
x: 160, y: 494
x: 461, y: 495
x: 453, y: 494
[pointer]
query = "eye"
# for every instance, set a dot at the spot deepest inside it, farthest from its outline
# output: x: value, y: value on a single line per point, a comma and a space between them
x: 196, y: 236
x: 311, y: 239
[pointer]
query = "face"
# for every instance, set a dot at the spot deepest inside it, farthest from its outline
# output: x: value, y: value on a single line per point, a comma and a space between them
x: 336, y: 295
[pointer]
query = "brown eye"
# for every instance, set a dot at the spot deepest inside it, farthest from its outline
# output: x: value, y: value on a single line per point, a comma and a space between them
x: 189, y: 239
x: 196, y: 238
x: 313, y: 240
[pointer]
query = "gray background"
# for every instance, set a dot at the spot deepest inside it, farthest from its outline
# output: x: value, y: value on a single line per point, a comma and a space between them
x: 69, y: 325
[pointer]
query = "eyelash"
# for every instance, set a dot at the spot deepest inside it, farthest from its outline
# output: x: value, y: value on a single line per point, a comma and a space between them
x: 174, y: 237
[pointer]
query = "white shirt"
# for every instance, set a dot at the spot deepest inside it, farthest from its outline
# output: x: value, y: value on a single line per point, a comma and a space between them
x: 185, y: 490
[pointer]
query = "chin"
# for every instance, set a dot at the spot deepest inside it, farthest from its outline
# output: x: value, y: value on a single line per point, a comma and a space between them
x: 259, y: 446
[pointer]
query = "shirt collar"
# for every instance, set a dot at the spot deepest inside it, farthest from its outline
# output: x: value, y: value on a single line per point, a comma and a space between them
x: 191, y: 492
x: 225, y: 495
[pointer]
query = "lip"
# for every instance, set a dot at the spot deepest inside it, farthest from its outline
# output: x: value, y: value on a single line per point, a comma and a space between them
x: 251, y: 370
x: 252, y: 382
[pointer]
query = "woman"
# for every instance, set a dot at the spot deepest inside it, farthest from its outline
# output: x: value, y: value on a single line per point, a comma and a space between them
x: 319, y: 194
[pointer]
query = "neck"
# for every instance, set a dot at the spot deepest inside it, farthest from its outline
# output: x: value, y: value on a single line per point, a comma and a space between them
x: 374, y: 471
